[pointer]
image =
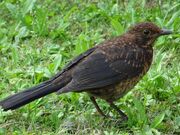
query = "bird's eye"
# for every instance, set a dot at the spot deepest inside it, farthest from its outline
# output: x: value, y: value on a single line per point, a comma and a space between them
x: 146, y: 32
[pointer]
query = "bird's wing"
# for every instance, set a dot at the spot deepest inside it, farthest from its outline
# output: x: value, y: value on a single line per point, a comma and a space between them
x: 73, y: 63
x: 101, y: 68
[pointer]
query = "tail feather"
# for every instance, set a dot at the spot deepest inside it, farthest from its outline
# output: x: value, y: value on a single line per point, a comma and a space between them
x: 17, y: 100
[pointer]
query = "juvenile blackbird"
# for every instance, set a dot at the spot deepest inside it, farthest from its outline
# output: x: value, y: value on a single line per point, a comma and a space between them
x: 107, y: 71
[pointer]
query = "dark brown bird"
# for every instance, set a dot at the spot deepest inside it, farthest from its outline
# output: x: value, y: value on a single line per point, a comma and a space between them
x: 107, y: 71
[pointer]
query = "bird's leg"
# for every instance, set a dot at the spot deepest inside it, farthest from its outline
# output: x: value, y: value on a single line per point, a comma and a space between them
x: 123, y: 115
x: 97, y: 107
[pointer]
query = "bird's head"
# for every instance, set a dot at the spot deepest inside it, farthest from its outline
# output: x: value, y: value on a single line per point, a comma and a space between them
x: 146, y: 33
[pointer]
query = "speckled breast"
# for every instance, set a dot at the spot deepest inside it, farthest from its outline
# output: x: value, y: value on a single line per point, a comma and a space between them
x: 114, y: 92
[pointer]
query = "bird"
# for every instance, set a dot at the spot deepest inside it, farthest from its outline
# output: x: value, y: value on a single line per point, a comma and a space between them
x: 107, y: 71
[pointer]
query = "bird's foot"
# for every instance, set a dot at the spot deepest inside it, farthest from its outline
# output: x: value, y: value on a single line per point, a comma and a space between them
x: 123, y: 116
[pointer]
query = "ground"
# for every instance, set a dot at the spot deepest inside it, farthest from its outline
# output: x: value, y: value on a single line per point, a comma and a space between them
x: 37, y: 38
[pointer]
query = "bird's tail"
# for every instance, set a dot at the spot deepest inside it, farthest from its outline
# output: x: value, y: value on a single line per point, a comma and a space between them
x: 22, y: 98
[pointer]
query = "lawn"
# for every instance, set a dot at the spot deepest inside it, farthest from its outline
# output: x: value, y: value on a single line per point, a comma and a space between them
x: 38, y: 38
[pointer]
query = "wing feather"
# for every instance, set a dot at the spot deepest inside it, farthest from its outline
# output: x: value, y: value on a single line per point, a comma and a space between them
x: 97, y: 70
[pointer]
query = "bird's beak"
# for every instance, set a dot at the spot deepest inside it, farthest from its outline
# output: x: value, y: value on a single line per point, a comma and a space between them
x: 165, y: 32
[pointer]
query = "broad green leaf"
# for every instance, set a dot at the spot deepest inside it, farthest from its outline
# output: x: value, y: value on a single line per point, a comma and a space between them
x: 12, y: 8
x: 57, y: 62
x: 141, y: 111
x: 28, y: 5
x: 15, y: 54
x: 157, y: 120
x: 117, y: 26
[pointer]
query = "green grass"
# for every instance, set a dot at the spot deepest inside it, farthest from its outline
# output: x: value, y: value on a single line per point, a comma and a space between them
x: 37, y: 38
